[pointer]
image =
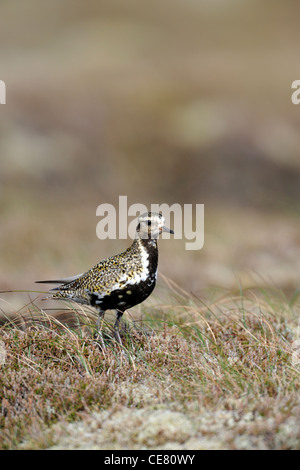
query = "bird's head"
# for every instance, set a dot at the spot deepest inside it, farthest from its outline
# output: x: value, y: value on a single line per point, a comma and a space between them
x: 151, y: 225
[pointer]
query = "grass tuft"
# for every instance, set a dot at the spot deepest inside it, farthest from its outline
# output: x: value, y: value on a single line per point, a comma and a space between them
x: 227, y: 368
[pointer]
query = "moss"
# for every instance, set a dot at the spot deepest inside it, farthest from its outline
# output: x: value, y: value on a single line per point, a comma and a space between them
x: 234, y: 385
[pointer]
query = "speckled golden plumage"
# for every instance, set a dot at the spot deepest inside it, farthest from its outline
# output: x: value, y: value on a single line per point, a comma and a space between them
x: 121, y: 281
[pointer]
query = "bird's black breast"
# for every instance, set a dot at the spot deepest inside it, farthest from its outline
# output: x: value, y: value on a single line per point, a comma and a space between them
x: 132, y: 293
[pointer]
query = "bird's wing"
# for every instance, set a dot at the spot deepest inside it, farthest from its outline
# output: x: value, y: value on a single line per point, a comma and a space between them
x: 65, y: 280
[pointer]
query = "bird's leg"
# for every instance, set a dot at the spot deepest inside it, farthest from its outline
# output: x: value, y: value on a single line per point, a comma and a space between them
x: 99, y: 328
x: 117, y: 325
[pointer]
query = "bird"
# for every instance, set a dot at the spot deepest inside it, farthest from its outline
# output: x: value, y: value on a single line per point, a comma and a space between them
x: 121, y: 281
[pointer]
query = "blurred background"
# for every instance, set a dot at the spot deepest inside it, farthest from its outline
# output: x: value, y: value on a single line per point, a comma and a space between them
x: 165, y: 102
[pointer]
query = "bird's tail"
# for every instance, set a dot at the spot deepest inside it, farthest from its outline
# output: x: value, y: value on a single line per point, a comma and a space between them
x: 63, y: 281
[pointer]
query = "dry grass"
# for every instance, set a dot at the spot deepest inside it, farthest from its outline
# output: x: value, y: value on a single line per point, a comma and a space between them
x: 221, y: 375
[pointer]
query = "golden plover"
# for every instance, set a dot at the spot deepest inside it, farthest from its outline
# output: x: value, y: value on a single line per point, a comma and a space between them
x: 119, y: 282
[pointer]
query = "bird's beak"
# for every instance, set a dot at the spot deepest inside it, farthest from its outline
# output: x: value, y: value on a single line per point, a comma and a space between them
x: 166, y: 229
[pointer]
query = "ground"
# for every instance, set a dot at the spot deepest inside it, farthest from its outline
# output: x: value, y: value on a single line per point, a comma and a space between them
x: 192, y: 375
